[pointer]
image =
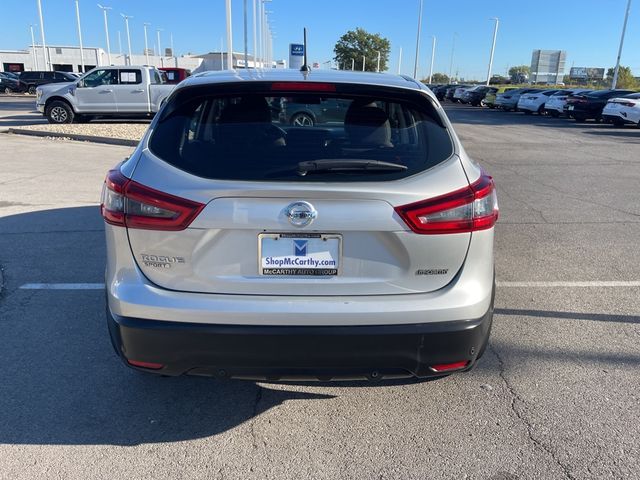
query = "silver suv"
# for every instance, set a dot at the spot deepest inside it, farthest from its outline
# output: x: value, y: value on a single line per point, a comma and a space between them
x: 239, y: 246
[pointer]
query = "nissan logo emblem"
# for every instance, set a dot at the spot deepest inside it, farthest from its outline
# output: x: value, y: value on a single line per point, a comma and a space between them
x: 301, y: 214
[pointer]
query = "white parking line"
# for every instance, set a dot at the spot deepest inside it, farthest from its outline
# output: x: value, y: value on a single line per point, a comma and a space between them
x: 62, y: 286
x: 592, y: 284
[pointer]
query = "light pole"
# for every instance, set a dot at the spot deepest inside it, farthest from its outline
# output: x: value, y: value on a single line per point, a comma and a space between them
x: 80, y: 34
x: 400, y: 61
x: 47, y: 60
x: 378, y: 64
x: 126, y: 26
x: 353, y: 63
x: 246, y: 40
x: 146, y: 41
x: 106, y: 31
x: 119, y: 43
x: 158, y: 30
x: 363, y: 60
x: 173, y: 53
x: 415, y: 65
x: 255, y: 38
x: 229, y: 36
x: 433, y: 55
x: 493, y: 47
x: 33, y: 44
x: 453, y: 49
x: 614, y: 83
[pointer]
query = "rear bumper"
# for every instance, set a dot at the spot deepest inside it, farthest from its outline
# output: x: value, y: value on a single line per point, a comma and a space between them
x: 294, y: 352
x: 608, y: 118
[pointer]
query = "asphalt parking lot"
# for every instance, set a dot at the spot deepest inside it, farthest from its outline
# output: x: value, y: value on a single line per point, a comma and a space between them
x: 555, y: 396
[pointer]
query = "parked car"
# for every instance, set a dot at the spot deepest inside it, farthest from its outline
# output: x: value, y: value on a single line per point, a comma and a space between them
x: 450, y: 92
x: 34, y: 79
x: 508, y: 100
x: 459, y: 91
x: 174, y: 74
x: 475, y: 95
x: 122, y: 92
x: 489, y: 99
x: 585, y: 106
x: 623, y: 110
x: 9, y: 84
x: 241, y: 247
x: 534, y: 102
x: 441, y: 90
x: 554, y: 105
x: 11, y: 75
x: 329, y: 110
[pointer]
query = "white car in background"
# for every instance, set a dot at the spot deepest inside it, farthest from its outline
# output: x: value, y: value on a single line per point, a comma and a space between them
x: 621, y: 110
x: 534, y: 102
x: 555, y: 103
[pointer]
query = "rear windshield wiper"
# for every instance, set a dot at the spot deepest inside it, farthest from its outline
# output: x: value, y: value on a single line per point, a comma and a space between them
x: 346, y: 165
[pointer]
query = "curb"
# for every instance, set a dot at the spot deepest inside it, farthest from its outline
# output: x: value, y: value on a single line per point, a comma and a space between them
x: 75, y: 136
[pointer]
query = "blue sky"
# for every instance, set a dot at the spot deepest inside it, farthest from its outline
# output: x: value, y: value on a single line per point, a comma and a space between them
x: 589, y: 30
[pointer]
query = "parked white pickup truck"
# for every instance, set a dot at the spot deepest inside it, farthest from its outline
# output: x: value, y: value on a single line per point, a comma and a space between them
x: 114, y: 92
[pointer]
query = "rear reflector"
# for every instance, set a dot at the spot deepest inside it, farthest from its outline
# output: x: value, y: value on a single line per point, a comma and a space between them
x: 129, y: 204
x: 149, y: 365
x: 303, y: 86
x: 466, y: 210
x: 448, y: 367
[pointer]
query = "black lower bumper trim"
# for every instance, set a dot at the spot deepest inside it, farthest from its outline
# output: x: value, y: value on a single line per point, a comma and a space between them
x: 296, y: 352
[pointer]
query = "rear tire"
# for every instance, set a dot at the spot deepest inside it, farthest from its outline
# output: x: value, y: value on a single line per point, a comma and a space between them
x: 541, y: 110
x: 7, y: 90
x: 32, y: 90
x: 58, y: 112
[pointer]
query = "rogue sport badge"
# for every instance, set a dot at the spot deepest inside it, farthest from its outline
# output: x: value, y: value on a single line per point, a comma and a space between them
x: 301, y: 214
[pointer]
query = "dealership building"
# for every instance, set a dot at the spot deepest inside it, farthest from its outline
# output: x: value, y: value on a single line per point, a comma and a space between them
x: 68, y: 59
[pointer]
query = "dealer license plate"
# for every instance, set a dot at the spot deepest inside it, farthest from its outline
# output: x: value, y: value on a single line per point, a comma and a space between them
x: 287, y: 254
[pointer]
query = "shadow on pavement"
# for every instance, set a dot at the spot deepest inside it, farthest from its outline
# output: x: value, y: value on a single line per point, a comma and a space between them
x: 597, y: 317
x: 61, y: 381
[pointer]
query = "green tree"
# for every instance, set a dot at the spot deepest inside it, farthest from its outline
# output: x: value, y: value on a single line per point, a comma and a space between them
x: 519, y: 73
x: 625, y: 78
x: 355, y: 45
x: 439, y: 78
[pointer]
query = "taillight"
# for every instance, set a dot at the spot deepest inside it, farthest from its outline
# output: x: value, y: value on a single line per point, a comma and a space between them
x: 466, y: 210
x: 129, y: 204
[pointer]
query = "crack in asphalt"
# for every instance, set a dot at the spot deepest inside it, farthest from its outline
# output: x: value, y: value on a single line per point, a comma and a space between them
x: 516, y: 397
x: 254, y: 413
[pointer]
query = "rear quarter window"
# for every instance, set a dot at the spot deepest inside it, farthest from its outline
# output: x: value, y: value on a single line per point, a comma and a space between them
x: 255, y: 136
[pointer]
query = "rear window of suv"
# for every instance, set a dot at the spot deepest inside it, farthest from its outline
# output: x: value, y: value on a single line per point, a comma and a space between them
x: 300, y: 136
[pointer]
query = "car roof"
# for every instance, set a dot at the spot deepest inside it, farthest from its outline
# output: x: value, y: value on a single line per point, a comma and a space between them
x: 291, y: 75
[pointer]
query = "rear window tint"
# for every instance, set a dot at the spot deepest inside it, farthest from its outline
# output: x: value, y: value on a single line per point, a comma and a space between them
x: 261, y: 137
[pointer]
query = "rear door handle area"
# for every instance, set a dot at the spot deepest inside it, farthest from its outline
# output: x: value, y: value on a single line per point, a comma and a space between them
x: 108, y: 90
x: 140, y: 90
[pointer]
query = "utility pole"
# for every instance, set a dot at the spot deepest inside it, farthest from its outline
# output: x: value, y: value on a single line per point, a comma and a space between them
x: 33, y: 44
x: 47, y: 60
x: 106, y: 31
x: 493, y: 47
x: 624, y: 29
x: 126, y: 26
x: 433, y: 54
x: 415, y: 65
x: 229, y: 36
x: 146, y: 41
x: 80, y: 35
